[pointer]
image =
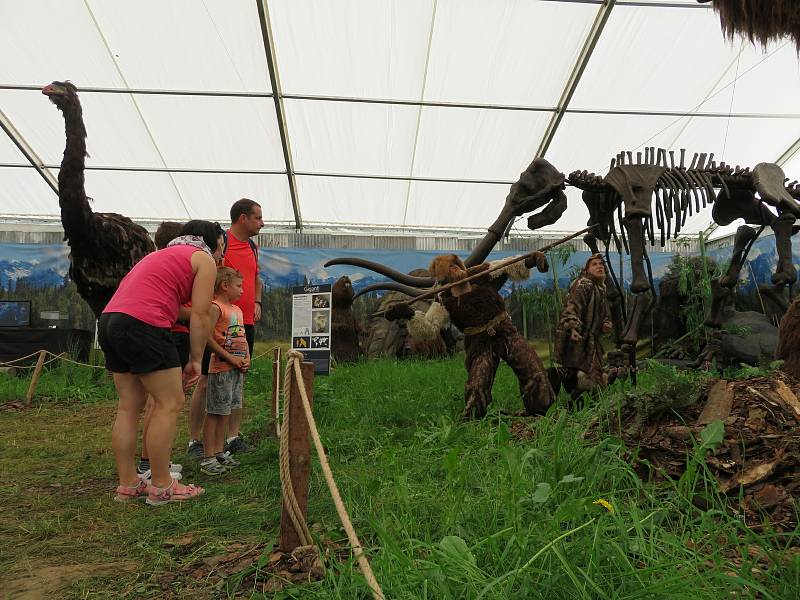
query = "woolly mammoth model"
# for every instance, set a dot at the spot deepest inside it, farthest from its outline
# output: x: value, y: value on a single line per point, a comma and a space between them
x: 103, y: 246
x: 390, y: 339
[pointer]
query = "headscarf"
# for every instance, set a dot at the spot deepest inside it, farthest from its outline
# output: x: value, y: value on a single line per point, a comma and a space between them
x: 191, y: 240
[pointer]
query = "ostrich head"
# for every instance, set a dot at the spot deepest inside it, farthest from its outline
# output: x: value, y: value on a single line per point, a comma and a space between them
x: 61, y: 93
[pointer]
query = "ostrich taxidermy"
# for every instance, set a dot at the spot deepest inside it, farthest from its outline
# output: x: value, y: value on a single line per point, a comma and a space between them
x: 344, y: 329
x: 760, y: 21
x: 103, y: 246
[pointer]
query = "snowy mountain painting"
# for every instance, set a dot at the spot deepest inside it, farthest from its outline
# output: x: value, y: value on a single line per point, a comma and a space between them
x: 38, y: 265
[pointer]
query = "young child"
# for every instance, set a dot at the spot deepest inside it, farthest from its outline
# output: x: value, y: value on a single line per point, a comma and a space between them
x: 229, y: 361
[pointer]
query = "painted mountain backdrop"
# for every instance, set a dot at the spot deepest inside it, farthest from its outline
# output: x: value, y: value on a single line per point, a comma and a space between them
x: 38, y: 272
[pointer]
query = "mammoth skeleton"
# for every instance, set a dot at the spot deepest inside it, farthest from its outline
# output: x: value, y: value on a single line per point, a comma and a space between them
x: 652, y: 192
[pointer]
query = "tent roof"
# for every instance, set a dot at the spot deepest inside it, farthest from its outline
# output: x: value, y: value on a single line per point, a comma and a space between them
x: 409, y: 115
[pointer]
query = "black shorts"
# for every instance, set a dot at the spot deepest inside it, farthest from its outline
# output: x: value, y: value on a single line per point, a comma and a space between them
x: 181, y: 341
x: 250, y: 336
x: 131, y: 346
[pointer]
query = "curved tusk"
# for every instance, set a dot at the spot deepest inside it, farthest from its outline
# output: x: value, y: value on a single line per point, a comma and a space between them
x: 383, y: 270
x: 391, y: 286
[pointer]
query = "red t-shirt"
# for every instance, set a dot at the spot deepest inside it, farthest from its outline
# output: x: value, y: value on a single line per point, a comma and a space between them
x: 240, y: 256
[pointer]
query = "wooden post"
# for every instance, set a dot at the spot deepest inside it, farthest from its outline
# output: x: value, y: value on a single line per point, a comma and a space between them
x: 36, y: 374
x: 299, y: 454
x: 272, y: 427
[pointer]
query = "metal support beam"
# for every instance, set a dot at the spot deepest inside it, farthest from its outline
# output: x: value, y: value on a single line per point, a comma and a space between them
x: 270, y: 172
x: 431, y: 103
x: 21, y: 143
x: 790, y: 153
x: 575, y: 76
x: 280, y: 113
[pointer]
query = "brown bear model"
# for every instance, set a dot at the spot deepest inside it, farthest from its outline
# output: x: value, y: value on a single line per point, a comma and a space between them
x: 788, y: 348
x: 344, y: 329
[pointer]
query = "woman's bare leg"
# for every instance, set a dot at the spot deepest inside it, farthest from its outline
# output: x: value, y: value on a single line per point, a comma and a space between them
x: 132, y: 396
x: 167, y: 391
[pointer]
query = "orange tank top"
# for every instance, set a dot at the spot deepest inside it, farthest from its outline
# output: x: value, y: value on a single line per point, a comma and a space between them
x: 228, y: 333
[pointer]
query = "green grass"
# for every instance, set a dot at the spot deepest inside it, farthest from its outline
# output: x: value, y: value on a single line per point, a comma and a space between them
x: 446, y: 509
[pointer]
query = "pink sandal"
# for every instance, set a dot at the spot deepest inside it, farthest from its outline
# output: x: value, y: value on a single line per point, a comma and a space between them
x: 174, y: 492
x: 126, y: 493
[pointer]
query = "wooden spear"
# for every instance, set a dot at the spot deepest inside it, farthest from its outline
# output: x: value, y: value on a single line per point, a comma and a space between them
x: 497, y: 267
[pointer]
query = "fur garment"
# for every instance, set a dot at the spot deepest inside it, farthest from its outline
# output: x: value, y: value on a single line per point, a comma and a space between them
x: 427, y: 326
x: 516, y: 271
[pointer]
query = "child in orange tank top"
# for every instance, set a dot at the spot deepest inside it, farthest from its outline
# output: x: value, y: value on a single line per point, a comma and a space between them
x: 229, y: 361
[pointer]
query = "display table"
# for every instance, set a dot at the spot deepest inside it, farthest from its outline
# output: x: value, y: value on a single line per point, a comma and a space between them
x: 16, y: 342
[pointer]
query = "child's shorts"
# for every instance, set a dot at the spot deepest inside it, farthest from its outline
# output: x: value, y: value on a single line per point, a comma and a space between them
x: 224, y: 392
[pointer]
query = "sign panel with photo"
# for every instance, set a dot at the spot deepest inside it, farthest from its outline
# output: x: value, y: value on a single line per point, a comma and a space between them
x: 311, y: 325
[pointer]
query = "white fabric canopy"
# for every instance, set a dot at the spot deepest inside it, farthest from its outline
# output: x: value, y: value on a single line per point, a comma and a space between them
x: 367, y: 89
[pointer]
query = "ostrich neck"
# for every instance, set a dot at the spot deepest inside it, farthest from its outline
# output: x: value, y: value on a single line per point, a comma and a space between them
x: 75, y: 210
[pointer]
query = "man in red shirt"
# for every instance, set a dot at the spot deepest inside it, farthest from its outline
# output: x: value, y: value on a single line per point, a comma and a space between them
x: 240, y: 254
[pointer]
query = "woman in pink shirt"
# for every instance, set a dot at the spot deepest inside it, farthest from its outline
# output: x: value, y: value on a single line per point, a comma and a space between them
x: 134, y: 333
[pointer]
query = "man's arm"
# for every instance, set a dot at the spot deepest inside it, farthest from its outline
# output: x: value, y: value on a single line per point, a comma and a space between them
x: 258, y: 306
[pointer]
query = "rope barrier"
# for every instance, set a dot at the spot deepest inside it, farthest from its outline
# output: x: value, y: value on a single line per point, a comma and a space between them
x: 47, y: 352
x: 293, y: 508
x: 12, y: 363
x: 293, y: 359
x: 55, y: 357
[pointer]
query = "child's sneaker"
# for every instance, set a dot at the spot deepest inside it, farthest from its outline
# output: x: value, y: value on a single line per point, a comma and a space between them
x: 195, y: 450
x: 226, y: 460
x: 211, y: 466
x: 237, y: 445
x: 126, y: 493
x: 174, y: 492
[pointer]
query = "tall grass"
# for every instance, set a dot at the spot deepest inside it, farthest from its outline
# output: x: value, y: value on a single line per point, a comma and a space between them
x: 446, y: 509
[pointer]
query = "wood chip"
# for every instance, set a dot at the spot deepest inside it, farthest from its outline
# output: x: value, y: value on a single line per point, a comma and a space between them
x: 753, y: 474
x: 719, y: 403
x: 788, y: 397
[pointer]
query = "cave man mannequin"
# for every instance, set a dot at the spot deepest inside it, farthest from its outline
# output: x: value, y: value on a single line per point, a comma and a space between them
x: 479, y: 311
x: 585, y: 317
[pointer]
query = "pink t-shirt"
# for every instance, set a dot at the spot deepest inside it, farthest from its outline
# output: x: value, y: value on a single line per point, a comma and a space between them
x: 156, y: 286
